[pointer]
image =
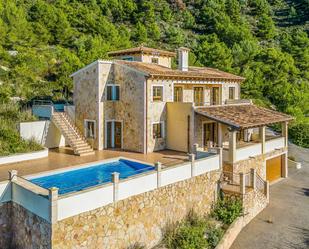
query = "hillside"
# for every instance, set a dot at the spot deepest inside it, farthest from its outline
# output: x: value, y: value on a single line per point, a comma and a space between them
x: 43, y: 42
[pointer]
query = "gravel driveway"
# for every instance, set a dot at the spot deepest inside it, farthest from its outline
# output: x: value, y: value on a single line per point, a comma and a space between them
x: 288, y: 213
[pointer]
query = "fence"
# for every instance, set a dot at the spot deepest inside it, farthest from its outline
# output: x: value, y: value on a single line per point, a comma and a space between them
x: 47, y: 204
x: 244, y: 180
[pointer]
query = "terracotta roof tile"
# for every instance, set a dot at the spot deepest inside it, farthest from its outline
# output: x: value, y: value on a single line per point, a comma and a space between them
x: 243, y: 116
x: 142, y: 49
x: 199, y: 73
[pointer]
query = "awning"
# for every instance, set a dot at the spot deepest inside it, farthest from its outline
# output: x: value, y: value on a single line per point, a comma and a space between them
x: 243, y: 116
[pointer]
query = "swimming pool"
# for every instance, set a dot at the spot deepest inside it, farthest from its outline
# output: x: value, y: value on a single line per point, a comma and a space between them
x: 90, y: 176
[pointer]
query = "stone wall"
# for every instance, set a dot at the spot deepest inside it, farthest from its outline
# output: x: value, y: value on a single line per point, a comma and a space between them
x: 130, y: 109
x: 5, y: 224
x: 139, y: 218
x: 21, y: 229
x: 29, y: 231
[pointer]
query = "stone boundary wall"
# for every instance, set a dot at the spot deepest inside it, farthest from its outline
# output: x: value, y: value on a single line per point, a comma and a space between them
x: 140, y: 218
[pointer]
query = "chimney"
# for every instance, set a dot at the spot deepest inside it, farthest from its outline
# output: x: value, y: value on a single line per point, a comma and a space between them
x: 183, y: 58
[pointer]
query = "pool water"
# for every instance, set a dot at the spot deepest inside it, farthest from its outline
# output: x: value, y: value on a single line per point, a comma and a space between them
x: 79, y: 179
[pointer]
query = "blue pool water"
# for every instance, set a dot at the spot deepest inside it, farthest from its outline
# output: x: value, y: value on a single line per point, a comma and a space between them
x: 79, y: 179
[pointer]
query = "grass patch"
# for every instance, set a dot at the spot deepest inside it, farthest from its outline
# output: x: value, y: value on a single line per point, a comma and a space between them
x: 10, y: 140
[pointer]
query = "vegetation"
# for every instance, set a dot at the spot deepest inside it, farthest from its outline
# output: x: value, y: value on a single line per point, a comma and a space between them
x: 265, y: 41
x: 203, y: 232
x: 227, y: 210
x: 10, y: 141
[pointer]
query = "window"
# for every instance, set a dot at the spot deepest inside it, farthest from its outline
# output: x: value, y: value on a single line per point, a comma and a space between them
x: 157, y: 93
x: 155, y: 60
x: 90, y: 128
x: 112, y: 92
x: 157, y: 130
x: 231, y: 92
x: 177, y: 94
x: 128, y: 58
x: 215, y: 96
x: 198, y: 96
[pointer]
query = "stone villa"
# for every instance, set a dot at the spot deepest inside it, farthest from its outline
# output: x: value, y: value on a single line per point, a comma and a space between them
x: 137, y: 102
x: 187, y: 129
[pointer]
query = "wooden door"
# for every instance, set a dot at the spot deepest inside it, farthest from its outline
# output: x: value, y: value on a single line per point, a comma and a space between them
x: 109, y: 135
x: 274, y: 168
x: 198, y: 96
x: 118, y: 134
x: 209, y: 138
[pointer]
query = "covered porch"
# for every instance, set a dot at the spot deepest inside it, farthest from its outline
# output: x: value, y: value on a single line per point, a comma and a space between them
x: 241, y: 130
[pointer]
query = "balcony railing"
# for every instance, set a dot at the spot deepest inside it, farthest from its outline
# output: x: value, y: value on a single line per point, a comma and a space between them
x: 225, y: 102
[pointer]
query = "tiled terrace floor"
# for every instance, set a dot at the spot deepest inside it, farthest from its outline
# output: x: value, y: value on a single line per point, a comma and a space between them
x: 64, y: 158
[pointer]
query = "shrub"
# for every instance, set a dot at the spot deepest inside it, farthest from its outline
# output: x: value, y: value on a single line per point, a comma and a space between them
x: 194, y: 232
x: 227, y: 210
x: 190, y: 237
x: 213, y: 235
x: 10, y: 140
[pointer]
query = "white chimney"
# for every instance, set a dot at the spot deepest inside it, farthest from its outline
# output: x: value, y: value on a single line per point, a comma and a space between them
x: 183, y: 58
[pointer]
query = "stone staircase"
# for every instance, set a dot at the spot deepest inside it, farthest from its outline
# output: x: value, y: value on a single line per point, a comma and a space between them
x: 71, y: 134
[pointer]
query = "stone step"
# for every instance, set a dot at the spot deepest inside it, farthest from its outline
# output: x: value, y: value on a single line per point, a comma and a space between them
x: 87, y: 154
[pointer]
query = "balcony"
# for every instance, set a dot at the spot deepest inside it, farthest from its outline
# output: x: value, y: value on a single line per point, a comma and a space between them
x: 246, y: 150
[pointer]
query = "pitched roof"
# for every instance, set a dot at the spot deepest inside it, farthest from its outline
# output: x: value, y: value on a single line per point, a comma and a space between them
x: 243, y: 116
x: 142, y: 49
x: 200, y: 73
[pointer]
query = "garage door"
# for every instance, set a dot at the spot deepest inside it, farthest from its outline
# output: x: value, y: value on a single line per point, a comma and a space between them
x: 274, y: 168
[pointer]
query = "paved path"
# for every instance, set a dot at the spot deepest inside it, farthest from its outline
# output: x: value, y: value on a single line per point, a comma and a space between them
x: 289, y: 212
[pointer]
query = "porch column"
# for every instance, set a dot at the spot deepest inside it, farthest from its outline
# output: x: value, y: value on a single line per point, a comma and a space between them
x: 262, y: 130
x: 219, y: 135
x: 232, y: 146
x: 284, y: 132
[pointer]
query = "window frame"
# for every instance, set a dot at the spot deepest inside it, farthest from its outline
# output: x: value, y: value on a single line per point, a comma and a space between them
x: 203, y: 95
x: 234, y: 92
x: 152, y: 93
x: 182, y: 90
x: 86, y: 121
x: 162, y: 130
x: 114, y: 86
x: 156, y: 58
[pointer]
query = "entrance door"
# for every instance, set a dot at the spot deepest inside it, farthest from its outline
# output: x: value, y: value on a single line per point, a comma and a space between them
x: 209, y: 135
x: 274, y: 168
x: 198, y: 96
x: 215, y: 96
x: 118, y: 134
x: 113, y: 134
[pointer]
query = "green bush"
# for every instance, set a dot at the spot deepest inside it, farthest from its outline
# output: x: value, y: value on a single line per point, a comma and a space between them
x: 193, y: 233
x: 299, y: 133
x: 214, y: 235
x: 227, y: 210
x: 190, y: 237
x: 10, y: 140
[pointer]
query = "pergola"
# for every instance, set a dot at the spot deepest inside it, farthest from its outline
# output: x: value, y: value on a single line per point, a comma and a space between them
x: 244, y: 116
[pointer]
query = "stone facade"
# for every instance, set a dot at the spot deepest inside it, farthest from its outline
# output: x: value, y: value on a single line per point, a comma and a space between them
x: 139, y: 218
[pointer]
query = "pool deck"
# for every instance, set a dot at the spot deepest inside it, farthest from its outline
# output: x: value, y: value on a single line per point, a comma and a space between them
x: 64, y: 158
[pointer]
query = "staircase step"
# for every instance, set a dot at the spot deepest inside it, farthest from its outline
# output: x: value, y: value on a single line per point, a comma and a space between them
x: 72, y: 134
x: 87, y: 153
